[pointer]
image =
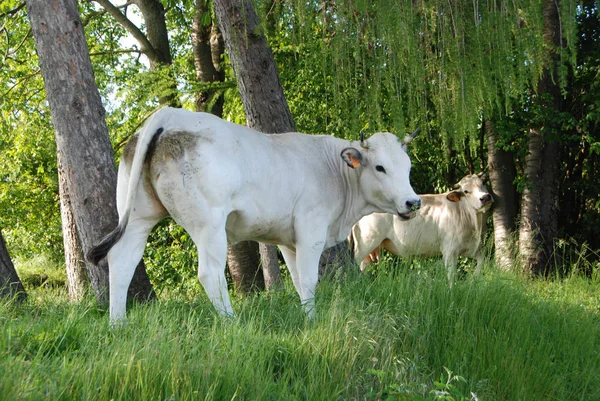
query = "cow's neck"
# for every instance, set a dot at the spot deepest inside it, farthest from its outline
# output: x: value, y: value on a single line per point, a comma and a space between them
x: 352, y: 203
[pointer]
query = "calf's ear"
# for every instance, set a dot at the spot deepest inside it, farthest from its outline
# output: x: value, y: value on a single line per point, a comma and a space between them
x: 455, y: 196
x: 352, y: 157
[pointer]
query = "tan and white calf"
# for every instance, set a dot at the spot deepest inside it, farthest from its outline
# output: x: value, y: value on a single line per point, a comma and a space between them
x: 449, y: 224
x: 226, y: 182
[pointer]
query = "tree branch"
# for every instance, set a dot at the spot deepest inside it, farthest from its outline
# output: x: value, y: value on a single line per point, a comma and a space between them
x: 13, y: 11
x: 130, y: 27
x: 121, y: 51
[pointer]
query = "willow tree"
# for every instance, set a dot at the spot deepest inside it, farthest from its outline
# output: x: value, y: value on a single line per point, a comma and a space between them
x: 440, y: 65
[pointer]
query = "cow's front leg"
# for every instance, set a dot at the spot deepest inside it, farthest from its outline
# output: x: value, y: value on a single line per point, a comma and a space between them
x: 307, y: 265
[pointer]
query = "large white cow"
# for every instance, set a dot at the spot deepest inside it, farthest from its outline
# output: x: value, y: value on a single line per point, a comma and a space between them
x: 226, y: 182
x: 449, y: 224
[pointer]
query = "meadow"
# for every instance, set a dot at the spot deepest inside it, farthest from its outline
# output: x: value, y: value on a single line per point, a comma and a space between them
x: 398, y: 334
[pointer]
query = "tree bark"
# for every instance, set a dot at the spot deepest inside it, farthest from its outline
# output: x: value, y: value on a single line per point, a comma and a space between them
x: 80, y: 129
x: 208, y: 48
x: 10, y: 284
x: 74, y: 260
x: 502, y: 174
x: 240, y: 257
x: 539, y: 215
x: 269, y: 258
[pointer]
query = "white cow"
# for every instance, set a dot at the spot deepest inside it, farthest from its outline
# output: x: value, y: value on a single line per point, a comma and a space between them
x: 226, y: 182
x: 449, y: 224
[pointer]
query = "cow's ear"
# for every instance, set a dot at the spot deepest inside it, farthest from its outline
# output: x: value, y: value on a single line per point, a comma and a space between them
x: 455, y: 196
x: 352, y: 157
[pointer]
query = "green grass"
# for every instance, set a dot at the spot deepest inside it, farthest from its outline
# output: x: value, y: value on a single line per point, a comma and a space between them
x: 394, y: 335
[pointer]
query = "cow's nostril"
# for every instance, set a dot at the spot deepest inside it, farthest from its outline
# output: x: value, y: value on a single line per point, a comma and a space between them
x: 413, y: 204
x: 486, y: 198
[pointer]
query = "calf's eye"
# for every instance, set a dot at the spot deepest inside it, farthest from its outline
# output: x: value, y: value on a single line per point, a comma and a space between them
x: 380, y: 169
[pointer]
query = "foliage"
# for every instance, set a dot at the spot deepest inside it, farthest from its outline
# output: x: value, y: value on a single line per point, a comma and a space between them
x: 172, y: 260
x: 29, y: 215
x: 400, y: 332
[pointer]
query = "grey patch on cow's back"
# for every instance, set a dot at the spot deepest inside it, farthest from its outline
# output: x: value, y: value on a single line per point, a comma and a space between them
x: 173, y: 145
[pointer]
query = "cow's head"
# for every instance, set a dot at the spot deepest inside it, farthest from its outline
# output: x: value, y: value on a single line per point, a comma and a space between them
x: 472, y: 190
x: 384, y: 168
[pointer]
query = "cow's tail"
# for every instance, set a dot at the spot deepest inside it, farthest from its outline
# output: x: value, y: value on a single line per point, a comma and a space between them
x: 143, y: 150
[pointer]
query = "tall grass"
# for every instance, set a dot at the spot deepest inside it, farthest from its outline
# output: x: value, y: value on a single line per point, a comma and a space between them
x: 387, y: 336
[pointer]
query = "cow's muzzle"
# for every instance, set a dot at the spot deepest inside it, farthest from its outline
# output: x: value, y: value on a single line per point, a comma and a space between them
x: 412, y: 206
x: 486, y: 200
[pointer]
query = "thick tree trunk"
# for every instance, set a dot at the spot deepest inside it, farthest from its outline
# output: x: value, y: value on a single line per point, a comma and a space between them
x: 208, y: 48
x: 269, y: 257
x: 262, y: 96
x: 502, y: 174
x: 531, y: 250
x: 239, y: 257
x: 539, y: 216
x: 10, y: 285
x: 74, y: 260
x: 80, y: 128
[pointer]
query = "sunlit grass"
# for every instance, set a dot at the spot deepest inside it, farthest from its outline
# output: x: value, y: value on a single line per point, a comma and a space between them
x: 390, y: 335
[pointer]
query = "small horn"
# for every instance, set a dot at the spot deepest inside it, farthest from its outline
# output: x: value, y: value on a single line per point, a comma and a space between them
x: 410, y: 137
x: 363, y: 143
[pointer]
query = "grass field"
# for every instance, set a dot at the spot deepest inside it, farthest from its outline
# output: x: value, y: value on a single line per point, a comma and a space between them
x: 395, y: 335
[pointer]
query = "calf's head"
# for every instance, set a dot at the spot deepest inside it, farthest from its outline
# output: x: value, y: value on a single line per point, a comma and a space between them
x: 384, y: 173
x: 472, y: 190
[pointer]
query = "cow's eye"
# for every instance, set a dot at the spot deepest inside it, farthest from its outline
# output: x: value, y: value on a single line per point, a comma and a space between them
x: 380, y: 169
x: 466, y: 192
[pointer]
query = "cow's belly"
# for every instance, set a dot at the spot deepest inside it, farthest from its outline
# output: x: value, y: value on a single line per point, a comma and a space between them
x: 244, y: 226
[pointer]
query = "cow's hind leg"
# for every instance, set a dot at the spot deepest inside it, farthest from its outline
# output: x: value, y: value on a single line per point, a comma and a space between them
x: 123, y: 258
x: 208, y: 233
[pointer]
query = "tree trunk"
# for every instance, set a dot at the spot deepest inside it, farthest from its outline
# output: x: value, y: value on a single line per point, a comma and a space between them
x: 10, y: 285
x: 74, y: 260
x: 539, y: 215
x: 262, y: 95
x: 80, y: 129
x: 530, y: 242
x: 269, y: 257
x: 239, y: 257
x: 502, y: 174
x: 208, y: 48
